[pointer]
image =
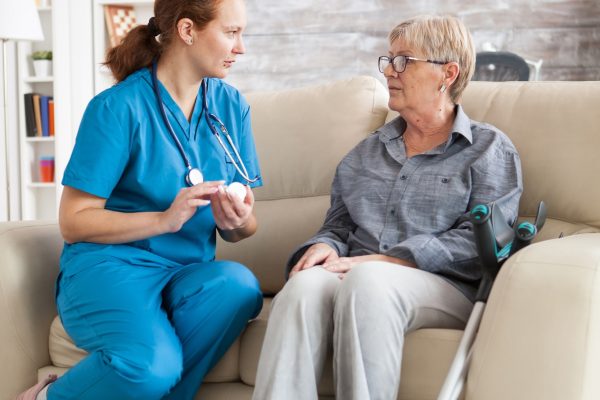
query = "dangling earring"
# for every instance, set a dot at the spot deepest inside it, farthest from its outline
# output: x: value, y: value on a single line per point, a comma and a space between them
x: 443, y: 88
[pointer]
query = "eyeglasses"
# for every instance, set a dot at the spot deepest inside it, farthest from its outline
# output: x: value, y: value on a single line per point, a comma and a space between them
x: 399, y: 62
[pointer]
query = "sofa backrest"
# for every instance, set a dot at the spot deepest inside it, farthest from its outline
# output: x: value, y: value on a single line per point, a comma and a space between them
x: 301, y: 135
x: 555, y: 127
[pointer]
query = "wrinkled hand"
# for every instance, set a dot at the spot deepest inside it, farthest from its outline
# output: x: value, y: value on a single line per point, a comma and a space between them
x: 231, y: 212
x: 186, y: 203
x: 344, y: 264
x: 316, y: 254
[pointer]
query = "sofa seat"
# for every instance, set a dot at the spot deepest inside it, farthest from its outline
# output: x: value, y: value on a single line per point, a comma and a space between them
x: 427, y: 356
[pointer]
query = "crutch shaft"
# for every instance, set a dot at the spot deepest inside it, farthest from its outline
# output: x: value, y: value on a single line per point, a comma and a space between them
x: 460, y: 362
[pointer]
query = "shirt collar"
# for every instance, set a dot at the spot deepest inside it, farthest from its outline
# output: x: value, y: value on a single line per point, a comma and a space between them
x: 396, y: 127
x: 462, y: 124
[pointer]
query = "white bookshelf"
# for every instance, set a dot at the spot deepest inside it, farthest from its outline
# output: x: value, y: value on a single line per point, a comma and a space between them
x: 39, y: 200
x: 144, y: 9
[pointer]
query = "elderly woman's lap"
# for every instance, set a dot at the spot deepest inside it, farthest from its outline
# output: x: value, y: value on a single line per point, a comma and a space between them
x: 377, y: 291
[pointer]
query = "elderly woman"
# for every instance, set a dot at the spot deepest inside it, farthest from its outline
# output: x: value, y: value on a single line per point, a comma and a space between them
x: 396, y: 251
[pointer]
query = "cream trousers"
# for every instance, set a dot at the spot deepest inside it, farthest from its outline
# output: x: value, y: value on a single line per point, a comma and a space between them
x: 362, y: 317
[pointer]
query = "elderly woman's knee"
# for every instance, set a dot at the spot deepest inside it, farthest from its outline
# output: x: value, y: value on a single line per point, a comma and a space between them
x: 369, y: 283
x: 366, y: 277
x: 311, y: 287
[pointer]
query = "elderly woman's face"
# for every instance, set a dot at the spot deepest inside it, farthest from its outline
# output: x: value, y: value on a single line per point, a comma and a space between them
x: 417, y: 87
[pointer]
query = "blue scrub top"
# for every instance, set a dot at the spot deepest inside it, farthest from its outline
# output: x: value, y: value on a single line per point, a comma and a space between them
x: 125, y: 154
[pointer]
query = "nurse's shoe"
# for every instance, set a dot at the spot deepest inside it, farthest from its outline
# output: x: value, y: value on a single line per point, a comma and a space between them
x: 39, y: 388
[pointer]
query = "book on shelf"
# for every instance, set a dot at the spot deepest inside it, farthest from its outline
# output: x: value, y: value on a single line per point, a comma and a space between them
x: 39, y: 115
x: 51, y: 116
x: 44, y: 115
x: 30, y: 116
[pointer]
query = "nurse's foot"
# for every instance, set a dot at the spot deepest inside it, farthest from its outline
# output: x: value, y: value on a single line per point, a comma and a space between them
x: 32, y: 392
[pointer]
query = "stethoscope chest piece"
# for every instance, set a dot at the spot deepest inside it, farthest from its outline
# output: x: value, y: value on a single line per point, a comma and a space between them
x: 194, y: 177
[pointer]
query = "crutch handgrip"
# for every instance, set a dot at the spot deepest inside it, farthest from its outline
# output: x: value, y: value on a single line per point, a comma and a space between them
x: 524, y: 234
x: 484, y: 235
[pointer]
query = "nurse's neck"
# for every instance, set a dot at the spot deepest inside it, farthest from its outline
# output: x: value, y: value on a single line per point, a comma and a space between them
x: 180, y: 80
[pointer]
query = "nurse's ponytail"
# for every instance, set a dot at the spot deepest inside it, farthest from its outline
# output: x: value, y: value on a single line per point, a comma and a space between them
x: 144, y: 43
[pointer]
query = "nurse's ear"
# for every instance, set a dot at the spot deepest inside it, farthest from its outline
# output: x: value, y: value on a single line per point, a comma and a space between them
x: 185, y: 30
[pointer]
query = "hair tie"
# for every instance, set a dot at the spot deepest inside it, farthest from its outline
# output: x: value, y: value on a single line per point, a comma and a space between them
x: 152, y: 27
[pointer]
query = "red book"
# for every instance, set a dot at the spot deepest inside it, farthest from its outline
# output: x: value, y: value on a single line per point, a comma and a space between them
x: 51, y: 116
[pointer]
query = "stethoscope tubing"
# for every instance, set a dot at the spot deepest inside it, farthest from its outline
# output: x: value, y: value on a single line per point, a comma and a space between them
x: 241, y: 168
x: 161, y: 107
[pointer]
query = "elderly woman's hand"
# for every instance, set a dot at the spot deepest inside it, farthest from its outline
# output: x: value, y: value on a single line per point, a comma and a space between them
x: 316, y: 254
x: 345, y: 264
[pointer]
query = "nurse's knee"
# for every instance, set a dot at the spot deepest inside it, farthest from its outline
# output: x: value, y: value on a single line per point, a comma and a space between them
x: 147, y: 372
x: 241, y: 287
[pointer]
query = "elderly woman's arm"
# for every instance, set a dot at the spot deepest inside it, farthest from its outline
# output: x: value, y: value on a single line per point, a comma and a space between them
x: 334, y: 233
x: 453, y: 253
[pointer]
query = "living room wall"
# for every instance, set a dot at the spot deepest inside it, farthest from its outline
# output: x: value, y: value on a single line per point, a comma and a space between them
x: 294, y: 43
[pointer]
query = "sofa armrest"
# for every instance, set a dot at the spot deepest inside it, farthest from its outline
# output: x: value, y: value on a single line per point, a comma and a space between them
x: 539, y: 335
x: 29, y: 255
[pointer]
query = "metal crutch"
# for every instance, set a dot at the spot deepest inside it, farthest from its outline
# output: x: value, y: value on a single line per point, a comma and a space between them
x: 493, y: 248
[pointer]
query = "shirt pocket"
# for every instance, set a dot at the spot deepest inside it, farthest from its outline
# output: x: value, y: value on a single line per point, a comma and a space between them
x: 434, y: 202
x: 230, y: 170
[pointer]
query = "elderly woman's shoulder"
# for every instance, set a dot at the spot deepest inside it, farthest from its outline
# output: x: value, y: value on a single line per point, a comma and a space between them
x: 488, y: 135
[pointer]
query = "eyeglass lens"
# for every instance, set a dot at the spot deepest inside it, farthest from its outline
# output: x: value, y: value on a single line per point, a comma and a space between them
x: 398, y: 63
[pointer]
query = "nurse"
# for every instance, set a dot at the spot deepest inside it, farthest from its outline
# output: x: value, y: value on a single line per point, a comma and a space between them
x: 139, y: 288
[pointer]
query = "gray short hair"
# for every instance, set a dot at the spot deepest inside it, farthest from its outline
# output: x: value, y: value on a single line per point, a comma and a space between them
x: 441, y: 38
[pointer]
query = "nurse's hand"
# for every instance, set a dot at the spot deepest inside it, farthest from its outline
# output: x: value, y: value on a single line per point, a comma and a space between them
x: 233, y: 215
x: 187, y: 202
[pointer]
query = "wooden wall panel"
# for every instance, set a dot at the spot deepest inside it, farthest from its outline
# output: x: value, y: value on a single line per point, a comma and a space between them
x: 292, y: 43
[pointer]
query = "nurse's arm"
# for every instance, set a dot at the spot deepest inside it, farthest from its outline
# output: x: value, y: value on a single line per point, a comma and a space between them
x: 83, y: 218
x: 235, y: 235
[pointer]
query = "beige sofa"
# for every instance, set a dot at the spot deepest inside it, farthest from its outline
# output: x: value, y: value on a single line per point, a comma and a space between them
x: 540, y: 336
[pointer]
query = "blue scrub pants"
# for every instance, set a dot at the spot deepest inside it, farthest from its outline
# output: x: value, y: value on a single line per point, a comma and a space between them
x: 151, y: 333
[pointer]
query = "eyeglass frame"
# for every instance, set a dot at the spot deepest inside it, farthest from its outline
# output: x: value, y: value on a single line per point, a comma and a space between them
x: 406, y: 59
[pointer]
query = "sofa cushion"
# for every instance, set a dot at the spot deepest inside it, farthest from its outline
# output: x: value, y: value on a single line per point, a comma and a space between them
x: 426, y: 359
x: 282, y: 225
x: 64, y: 354
x: 301, y: 135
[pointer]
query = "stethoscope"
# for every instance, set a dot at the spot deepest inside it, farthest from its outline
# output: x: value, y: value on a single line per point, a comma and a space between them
x: 193, y: 175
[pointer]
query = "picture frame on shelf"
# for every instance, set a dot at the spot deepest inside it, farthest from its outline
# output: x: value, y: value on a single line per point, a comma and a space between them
x: 120, y: 19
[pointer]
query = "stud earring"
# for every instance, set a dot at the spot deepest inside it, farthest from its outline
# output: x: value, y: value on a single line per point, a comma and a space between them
x: 189, y: 41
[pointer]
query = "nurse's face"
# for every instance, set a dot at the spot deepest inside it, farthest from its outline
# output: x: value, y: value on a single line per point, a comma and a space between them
x: 216, y: 47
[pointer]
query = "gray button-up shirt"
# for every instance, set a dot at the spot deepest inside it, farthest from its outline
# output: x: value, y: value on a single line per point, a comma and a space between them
x: 417, y: 208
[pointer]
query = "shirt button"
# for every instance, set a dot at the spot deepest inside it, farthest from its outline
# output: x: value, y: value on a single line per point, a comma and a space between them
x: 403, y: 177
x: 385, y: 247
x: 445, y: 180
x: 392, y: 211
